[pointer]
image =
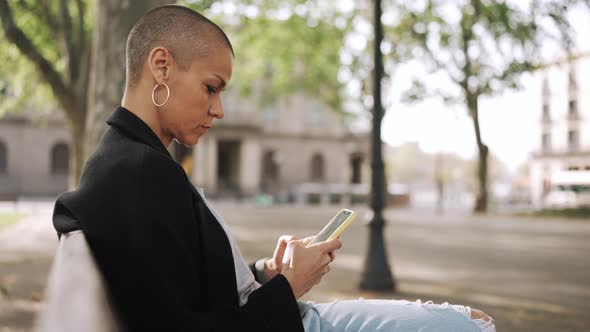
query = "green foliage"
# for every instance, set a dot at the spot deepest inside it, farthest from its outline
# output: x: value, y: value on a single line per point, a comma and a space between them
x: 33, y: 18
x: 41, y: 22
x: 199, y: 5
x: 581, y: 213
x: 300, y: 54
x: 19, y: 78
x: 284, y: 56
x: 485, y: 48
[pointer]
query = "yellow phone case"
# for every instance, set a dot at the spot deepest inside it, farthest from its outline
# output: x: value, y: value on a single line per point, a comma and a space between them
x: 340, y: 228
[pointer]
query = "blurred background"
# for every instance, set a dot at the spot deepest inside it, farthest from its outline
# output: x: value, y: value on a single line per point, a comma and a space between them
x: 473, y: 188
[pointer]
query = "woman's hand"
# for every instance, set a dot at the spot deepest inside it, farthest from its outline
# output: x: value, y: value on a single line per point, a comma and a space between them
x: 308, y: 265
x: 273, y: 266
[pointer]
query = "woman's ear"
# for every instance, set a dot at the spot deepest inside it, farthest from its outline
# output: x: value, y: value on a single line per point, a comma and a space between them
x: 159, y: 62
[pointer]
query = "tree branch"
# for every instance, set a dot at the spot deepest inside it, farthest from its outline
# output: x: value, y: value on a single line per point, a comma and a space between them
x: 15, y: 35
x: 81, y: 35
x: 46, y: 14
x: 43, y: 12
x: 73, y: 59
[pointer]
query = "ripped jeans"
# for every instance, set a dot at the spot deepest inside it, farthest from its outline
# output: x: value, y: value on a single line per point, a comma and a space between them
x: 390, y: 315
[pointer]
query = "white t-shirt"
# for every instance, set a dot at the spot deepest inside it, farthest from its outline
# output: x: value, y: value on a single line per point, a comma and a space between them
x: 245, y: 279
x: 247, y: 283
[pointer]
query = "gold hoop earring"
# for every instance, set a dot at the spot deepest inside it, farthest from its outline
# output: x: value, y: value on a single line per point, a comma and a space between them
x: 154, y: 94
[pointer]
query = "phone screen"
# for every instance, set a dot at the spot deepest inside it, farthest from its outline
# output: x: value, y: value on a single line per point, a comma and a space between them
x: 331, y: 227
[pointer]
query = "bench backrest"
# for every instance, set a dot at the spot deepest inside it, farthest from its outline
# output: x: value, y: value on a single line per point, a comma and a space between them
x: 76, y: 295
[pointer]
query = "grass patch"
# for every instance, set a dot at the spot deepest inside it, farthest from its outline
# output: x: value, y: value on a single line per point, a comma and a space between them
x: 7, y: 219
x: 563, y: 213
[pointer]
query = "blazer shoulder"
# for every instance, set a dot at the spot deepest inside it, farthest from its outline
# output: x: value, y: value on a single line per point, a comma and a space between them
x: 121, y: 155
x: 155, y: 163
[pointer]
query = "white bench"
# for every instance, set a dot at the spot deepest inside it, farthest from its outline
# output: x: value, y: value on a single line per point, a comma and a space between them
x: 75, y: 296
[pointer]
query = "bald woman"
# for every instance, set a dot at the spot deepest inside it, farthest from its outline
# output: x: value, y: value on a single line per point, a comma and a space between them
x: 168, y: 259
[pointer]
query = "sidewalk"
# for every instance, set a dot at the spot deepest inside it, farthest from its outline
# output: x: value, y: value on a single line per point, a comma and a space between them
x: 26, y: 251
x: 530, y: 275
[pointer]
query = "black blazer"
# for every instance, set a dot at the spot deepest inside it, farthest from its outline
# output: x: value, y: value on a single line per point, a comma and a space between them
x: 166, y: 260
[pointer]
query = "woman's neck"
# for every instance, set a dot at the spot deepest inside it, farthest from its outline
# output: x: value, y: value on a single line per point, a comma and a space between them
x: 137, y: 101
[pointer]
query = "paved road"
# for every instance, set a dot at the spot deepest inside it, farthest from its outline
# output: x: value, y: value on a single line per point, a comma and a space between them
x: 529, y: 274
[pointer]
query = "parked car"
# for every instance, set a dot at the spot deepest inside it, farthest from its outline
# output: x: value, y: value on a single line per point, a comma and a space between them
x: 569, y: 189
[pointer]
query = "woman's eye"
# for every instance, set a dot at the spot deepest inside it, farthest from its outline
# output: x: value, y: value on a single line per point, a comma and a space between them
x: 211, y: 90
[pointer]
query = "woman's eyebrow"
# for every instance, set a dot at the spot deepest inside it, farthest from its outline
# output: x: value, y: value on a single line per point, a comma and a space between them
x: 222, y: 85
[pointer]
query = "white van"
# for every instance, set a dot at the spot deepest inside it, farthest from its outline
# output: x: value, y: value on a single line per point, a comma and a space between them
x: 569, y: 189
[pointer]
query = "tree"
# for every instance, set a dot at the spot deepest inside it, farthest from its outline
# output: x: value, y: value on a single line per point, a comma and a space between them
x: 55, y: 40
x: 482, y: 47
x: 54, y: 36
x: 113, y: 21
x: 285, y: 48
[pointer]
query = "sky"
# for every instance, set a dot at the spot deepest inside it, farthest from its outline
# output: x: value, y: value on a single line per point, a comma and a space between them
x: 508, y: 125
x: 509, y: 122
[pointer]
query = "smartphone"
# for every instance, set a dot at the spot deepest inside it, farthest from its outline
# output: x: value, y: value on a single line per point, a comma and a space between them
x: 335, y: 227
x: 331, y: 231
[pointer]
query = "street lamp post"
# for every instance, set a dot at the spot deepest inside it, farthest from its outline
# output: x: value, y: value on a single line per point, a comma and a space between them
x: 377, y: 273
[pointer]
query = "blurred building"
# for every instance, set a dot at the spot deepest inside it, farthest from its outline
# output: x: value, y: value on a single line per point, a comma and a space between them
x: 433, y: 181
x: 288, y: 145
x: 283, y: 148
x: 563, y: 150
x: 34, y: 154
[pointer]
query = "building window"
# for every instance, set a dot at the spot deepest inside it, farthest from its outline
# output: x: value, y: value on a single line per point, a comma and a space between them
x: 317, y: 168
x: 60, y: 156
x: 573, y: 168
x: 270, y: 172
x: 573, y: 84
x: 229, y: 165
x: 573, y: 110
x: 573, y: 139
x: 546, y: 142
x: 3, y: 158
x: 546, y: 113
x: 587, y: 168
x: 356, y: 161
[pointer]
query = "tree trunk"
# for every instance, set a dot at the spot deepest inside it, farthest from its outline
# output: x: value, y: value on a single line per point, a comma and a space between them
x: 77, y: 130
x: 114, y: 20
x: 481, y: 200
x: 70, y: 91
x: 440, y: 184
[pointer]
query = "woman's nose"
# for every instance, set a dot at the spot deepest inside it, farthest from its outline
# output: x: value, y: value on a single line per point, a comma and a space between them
x: 217, y: 110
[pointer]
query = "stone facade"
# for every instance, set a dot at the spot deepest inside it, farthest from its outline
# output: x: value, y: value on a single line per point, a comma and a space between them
x: 564, y: 137
x: 33, y: 155
x: 274, y: 151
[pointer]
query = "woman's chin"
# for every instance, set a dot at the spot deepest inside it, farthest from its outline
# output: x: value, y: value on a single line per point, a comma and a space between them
x: 188, y: 140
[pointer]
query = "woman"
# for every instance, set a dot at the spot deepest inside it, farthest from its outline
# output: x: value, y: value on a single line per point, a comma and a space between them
x: 168, y: 259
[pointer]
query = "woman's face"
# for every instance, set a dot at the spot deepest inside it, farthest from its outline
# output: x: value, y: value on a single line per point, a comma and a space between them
x: 195, y: 97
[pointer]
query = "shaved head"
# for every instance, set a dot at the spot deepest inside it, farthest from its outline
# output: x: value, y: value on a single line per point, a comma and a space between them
x: 186, y: 34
